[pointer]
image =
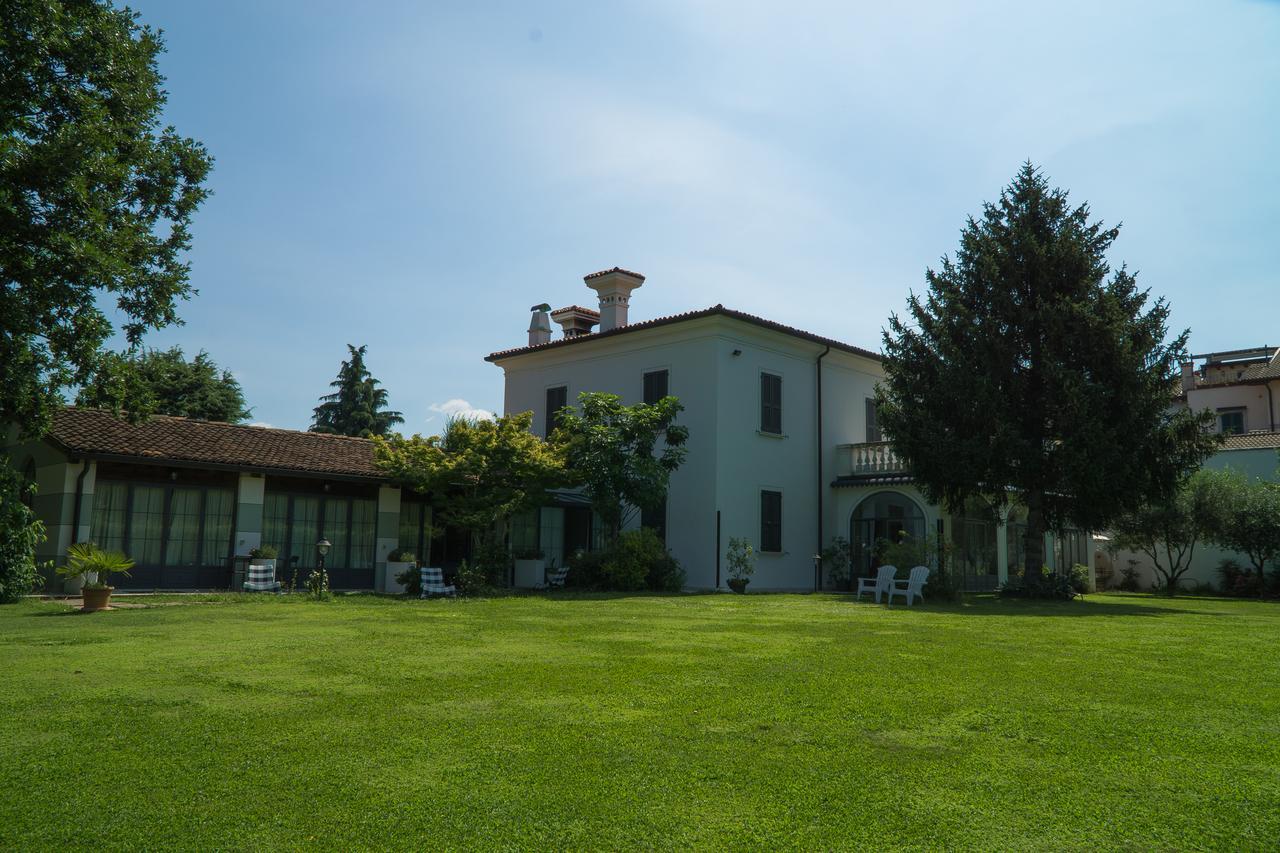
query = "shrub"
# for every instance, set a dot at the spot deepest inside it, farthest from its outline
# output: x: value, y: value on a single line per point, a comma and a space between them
x: 1129, y: 581
x: 402, y: 555
x: 1050, y: 585
x: 943, y: 584
x: 1078, y: 577
x: 491, y: 560
x: 838, y: 561
x: 1230, y: 573
x: 741, y: 558
x: 636, y: 560
x: 472, y: 580
x: 264, y: 552
x: 411, y: 580
x: 20, y: 532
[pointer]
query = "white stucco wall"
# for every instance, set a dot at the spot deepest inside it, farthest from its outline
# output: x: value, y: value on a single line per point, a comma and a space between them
x: 1252, y: 397
x: 617, y: 365
x: 1254, y: 463
x: 729, y: 460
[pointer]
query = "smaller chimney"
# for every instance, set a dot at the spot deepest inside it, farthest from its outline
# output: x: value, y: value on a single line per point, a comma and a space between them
x: 576, y: 321
x: 540, y: 325
x: 1188, y: 376
x: 614, y: 287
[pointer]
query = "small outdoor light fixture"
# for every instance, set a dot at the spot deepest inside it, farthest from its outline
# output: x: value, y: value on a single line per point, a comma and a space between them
x: 323, y: 546
x: 737, y: 352
x: 817, y: 570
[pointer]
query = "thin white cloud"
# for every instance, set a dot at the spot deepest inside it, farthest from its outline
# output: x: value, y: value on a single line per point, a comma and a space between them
x: 459, y: 408
x: 263, y: 424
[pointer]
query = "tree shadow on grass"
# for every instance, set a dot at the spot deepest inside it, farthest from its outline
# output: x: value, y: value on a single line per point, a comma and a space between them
x: 996, y: 607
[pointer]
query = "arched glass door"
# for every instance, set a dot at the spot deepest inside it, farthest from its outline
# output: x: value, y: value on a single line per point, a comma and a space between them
x: 886, y: 516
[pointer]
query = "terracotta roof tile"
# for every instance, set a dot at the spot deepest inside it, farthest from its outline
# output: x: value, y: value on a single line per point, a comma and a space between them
x: 1252, y: 441
x: 94, y: 432
x: 713, y: 311
x: 589, y: 311
x: 590, y: 276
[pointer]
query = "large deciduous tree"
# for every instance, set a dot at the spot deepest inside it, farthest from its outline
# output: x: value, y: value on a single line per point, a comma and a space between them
x: 170, y: 385
x: 478, y: 472
x: 96, y: 198
x: 612, y: 451
x: 1167, y: 530
x: 1033, y: 371
x: 358, y: 406
x: 1250, y: 520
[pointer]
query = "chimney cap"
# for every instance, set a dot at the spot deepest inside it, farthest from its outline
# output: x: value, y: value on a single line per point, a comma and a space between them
x: 541, y: 307
x: 614, y: 270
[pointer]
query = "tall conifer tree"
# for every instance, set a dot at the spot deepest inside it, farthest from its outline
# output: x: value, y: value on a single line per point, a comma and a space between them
x: 1033, y: 371
x: 358, y: 406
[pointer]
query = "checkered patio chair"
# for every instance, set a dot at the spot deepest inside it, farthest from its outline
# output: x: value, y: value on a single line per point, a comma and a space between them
x: 261, y: 579
x: 555, y: 578
x: 433, y: 583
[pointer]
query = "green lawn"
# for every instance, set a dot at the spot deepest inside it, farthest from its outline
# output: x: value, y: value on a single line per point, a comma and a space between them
x: 645, y: 721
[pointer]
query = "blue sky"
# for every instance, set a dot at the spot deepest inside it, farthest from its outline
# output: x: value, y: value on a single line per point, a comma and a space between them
x: 413, y: 176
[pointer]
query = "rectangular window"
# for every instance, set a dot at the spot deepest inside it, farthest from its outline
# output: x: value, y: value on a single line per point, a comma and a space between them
x: 107, y: 527
x: 873, y: 422
x: 304, y: 531
x: 524, y: 532
x: 410, y: 534
x: 182, y: 547
x: 771, y: 403
x: 557, y: 399
x: 655, y: 386
x: 336, y: 530
x: 146, y: 525
x: 656, y: 519
x: 771, y: 521
x: 364, y: 532
x: 219, y: 506
x: 1231, y: 421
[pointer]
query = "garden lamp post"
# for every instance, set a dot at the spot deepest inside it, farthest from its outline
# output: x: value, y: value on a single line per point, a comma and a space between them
x: 322, y: 547
x: 817, y: 572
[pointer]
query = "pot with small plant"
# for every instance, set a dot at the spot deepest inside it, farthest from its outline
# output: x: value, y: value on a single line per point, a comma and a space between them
x: 399, y: 561
x: 741, y: 558
x: 531, y: 568
x: 94, y: 567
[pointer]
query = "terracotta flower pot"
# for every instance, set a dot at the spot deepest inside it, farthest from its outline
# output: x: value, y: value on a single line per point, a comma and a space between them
x: 97, y: 598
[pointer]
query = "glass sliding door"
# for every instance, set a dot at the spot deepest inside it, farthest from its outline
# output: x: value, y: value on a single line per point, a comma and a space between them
x: 110, y: 503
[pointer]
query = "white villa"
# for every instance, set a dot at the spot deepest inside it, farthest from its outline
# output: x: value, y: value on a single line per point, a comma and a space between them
x: 784, y: 448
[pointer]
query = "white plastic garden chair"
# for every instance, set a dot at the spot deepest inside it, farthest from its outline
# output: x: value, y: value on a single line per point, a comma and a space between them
x: 881, y: 583
x: 432, y: 581
x: 912, y: 587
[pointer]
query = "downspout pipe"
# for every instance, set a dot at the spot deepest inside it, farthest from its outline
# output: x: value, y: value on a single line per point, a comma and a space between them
x: 817, y: 565
x: 1271, y: 408
x: 75, y: 511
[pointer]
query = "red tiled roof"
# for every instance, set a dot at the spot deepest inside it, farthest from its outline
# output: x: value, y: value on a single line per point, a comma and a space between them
x: 590, y: 276
x: 713, y: 311
x: 99, y: 433
x: 588, y: 311
x: 1252, y: 441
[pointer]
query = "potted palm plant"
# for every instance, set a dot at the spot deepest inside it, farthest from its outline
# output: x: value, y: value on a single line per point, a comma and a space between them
x: 741, y: 558
x: 94, y: 566
x: 399, y: 561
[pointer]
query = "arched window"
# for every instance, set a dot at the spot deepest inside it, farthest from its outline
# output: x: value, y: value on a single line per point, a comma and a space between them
x: 887, y: 516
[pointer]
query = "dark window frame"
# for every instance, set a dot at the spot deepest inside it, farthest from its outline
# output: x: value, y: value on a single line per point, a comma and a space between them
x: 552, y: 419
x: 874, y: 434
x: 649, y: 395
x: 770, y: 402
x: 166, y: 519
x: 770, y: 526
x: 1242, y: 411
x: 286, y: 547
